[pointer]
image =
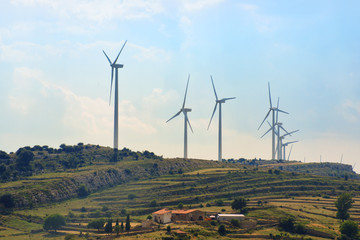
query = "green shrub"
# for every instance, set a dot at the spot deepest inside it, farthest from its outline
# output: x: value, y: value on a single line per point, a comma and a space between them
x: 222, y: 230
x: 219, y: 202
x: 235, y: 222
x: 83, y: 191
x: 350, y: 229
x: 287, y: 224
x: 131, y: 196
x: 300, y: 228
x: 54, y: 222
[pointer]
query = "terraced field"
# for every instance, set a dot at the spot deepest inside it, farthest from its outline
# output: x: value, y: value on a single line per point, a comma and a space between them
x: 272, y: 195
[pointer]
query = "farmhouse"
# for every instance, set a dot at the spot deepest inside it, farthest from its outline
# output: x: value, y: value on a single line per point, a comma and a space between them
x: 187, y: 215
x: 229, y: 217
x: 166, y: 216
x: 162, y: 216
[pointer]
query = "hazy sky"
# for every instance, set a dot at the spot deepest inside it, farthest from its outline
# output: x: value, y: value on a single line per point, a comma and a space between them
x: 55, y: 79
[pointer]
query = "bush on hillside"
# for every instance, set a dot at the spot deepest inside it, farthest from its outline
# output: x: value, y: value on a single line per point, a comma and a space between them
x: 54, y: 222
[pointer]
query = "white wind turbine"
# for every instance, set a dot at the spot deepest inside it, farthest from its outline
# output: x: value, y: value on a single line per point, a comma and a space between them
x: 218, y: 101
x: 115, y: 66
x: 186, y: 120
x: 284, y: 148
x: 273, y: 110
x: 281, y: 147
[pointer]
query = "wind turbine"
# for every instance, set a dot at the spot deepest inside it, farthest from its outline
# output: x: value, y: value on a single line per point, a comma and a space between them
x: 277, y: 127
x: 273, y: 110
x: 115, y: 66
x: 218, y: 101
x: 186, y: 120
x: 284, y: 145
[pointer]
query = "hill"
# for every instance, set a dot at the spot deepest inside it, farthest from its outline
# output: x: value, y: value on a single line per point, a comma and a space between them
x: 141, y: 182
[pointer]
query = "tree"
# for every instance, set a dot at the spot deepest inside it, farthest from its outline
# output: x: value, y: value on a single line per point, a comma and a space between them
x: 127, y: 224
x: 82, y: 191
x: 96, y: 224
x: 180, y: 206
x: 54, y: 222
x: 343, y: 204
x: 108, y: 226
x: 238, y: 204
x: 222, y: 230
x: 287, y: 224
x: 153, y: 203
x: 168, y: 229
x: 349, y: 229
x: 219, y: 202
x: 122, y: 226
x: 7, y: 200
x: 235, y: 222
x: 4, y: 155
x: 131, y: 196
x: 117, y: 230
x: 23, y: 159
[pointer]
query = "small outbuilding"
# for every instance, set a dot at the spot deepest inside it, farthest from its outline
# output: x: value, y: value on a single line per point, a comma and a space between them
x: 230, y: 216
x: 162, y: 216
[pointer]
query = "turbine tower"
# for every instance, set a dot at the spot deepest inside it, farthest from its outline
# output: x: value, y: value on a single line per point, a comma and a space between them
x: 223, y: 100
x: 115, y: 66
x: 186, y: 119
x: 273, y: 110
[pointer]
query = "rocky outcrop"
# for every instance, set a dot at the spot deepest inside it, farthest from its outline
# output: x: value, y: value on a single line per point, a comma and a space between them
x: 60, y: 189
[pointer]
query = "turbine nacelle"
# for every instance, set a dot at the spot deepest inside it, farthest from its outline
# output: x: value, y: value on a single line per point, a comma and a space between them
x: 117, y: 65
x: 186, y: 109
x: 114, y: 65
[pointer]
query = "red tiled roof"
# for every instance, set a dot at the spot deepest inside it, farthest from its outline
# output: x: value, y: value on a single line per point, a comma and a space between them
x: 162, y: 211
x: 183, y: 211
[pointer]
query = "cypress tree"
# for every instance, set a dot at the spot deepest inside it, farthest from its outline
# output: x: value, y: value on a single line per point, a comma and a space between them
x: 127, y: 224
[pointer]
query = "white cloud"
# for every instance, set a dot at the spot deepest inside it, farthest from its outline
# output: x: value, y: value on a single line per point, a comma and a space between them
x: 97, y: 10
x: 262, y: 22
x: 151, y: 53
x: 248, y: 7
x: 158, y: 98
x: 350, y: 111
x: 196, y: 5
x: 88, y: 118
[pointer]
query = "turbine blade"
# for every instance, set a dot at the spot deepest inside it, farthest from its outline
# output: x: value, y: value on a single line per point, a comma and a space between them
x: 187, y: 119
x: 212, y: 115
x: 107, y: 57
x: 187, y: 84
x: 267, y: 132
x: 281, y: 111
x: 112, y: 77
x: 177, y: 114
x: 225, y: 99
x: 269, y: 95
x: 290, y: 133
x: 120, y: 52
x: 269, y: 123
x: 289, y: 152
x: 285, y: 130
x: 264, y: 118
x: 213, y: 87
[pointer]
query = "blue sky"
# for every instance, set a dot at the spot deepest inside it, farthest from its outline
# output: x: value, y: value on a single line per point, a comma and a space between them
x: 55, y: 79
